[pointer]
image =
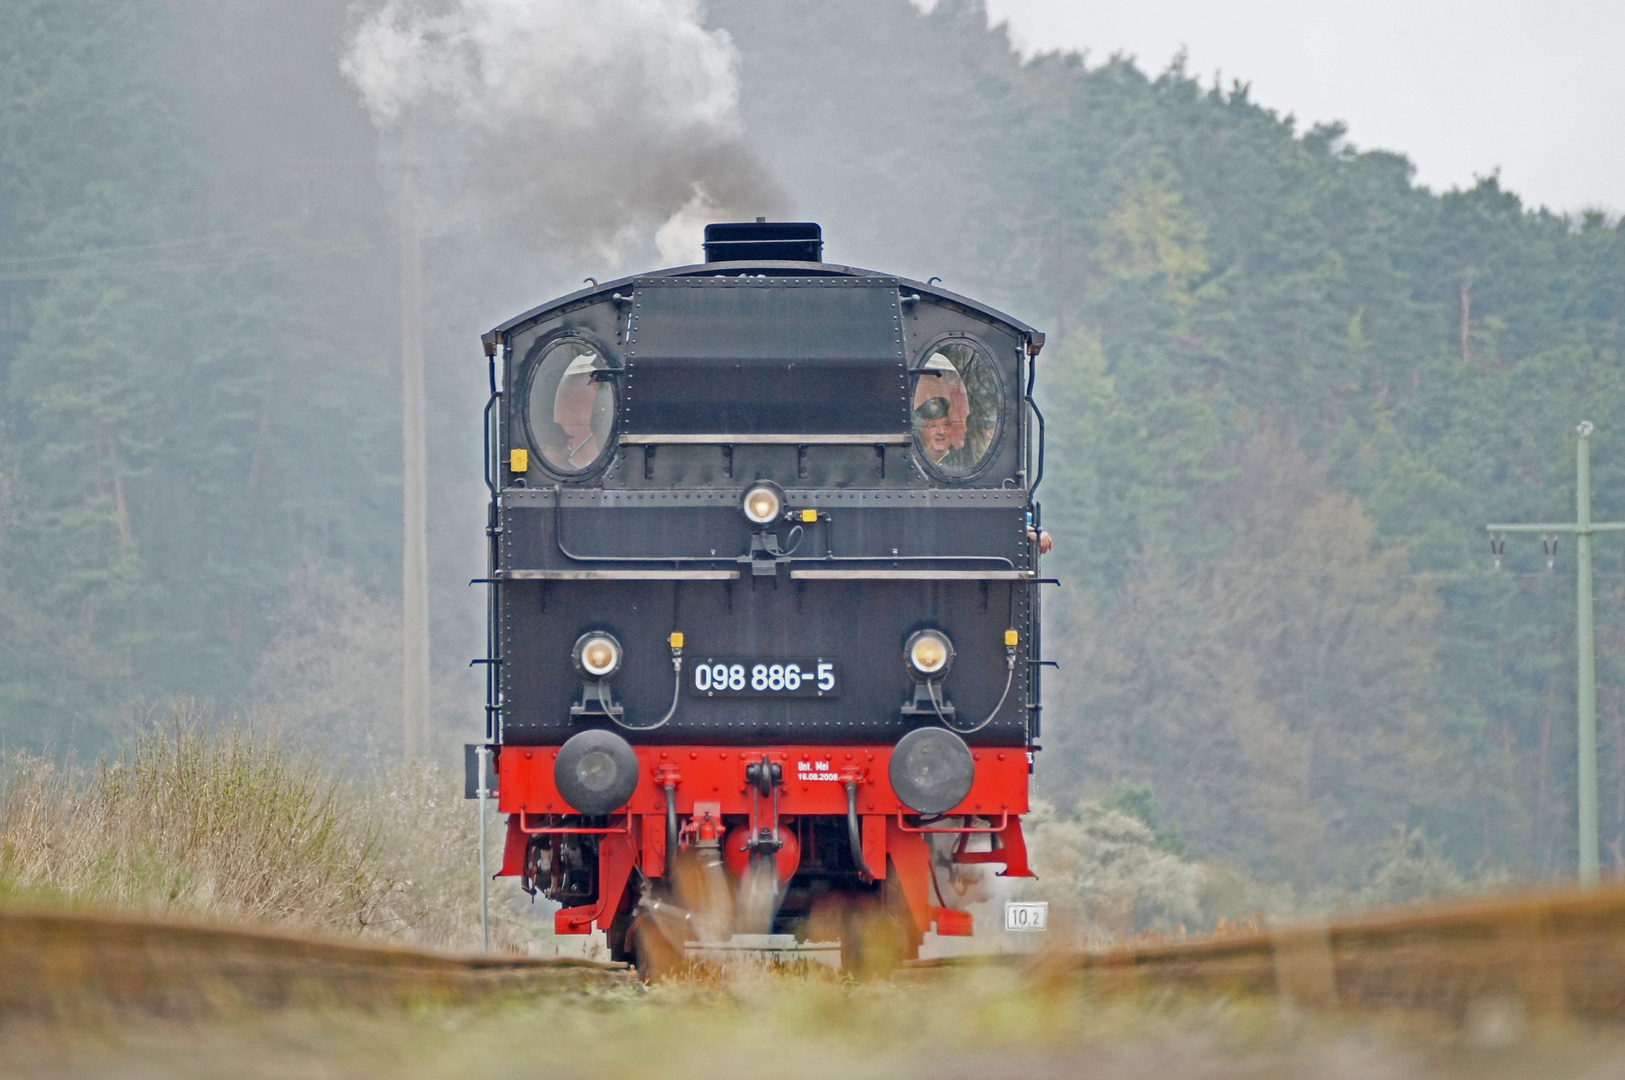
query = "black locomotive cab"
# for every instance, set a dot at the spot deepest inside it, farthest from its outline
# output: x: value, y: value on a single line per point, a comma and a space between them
x: 762, y: 504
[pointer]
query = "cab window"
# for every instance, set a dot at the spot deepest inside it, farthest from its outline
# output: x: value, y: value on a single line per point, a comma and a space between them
x: 956, y: 408
x: 571, y: 406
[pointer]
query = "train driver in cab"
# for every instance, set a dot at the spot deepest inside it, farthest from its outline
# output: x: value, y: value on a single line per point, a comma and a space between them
x: 934, y: 428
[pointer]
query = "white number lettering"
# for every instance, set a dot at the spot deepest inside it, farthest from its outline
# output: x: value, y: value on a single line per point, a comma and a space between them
x: 775, y: 677
x: 702, y: 676
x: 719, y: 677
x: 758, y: 677
x: 736, y: 677
x: 792, y: 676
x: 1026, y: 916
x: 826, y: 676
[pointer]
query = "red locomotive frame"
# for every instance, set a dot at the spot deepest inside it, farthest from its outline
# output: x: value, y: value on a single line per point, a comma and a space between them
x: 710, y: 782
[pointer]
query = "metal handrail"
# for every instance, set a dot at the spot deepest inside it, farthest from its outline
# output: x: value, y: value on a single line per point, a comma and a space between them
x: 570, y: 829
x: 558, y: 540
x: 1004, y: 823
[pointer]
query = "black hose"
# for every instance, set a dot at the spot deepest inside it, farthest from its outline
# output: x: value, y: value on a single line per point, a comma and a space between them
x: 1010, y: 677
x: 854, y: 835
x: 676, y: 694
x: 671, y: 830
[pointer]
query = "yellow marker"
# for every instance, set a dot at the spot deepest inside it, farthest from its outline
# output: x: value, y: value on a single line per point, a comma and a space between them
x: 809, y: 515
x: 676, y: 639
x: 518, y: 461
x: 1011, y: 638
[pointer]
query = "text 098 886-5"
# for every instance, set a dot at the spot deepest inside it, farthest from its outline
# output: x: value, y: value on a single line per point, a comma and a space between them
x: 738, y: 677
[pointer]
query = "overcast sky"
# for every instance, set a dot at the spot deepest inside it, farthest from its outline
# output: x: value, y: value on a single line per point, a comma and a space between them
x: 1462, y: 87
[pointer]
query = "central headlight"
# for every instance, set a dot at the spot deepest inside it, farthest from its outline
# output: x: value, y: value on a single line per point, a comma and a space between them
x: 597, y: 654
x: 763, y: 503
x: 929, y: 654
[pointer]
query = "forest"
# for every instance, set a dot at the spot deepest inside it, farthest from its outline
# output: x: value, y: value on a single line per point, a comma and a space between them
x: 1285, y: 389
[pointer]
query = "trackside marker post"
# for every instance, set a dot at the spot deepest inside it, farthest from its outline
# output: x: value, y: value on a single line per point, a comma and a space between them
x: 484, y: 755
x: 1026, y: 917
x: 1586, y: 693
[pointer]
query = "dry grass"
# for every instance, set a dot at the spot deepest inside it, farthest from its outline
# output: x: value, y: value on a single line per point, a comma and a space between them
x: 222, y: 823
x: 425, y: 837
x: 224, y: 826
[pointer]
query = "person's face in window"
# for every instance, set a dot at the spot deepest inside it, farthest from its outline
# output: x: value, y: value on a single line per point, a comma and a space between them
x: 933, y: 425
x: 937, y: 437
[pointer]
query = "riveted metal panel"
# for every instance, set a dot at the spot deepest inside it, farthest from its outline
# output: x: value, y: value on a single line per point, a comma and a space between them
x: 765, y: 355
x: 861, y: 625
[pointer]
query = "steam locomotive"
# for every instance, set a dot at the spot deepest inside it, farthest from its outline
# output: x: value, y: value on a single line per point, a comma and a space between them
x: 763, y: 593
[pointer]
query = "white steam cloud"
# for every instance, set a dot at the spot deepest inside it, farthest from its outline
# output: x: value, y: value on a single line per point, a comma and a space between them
x: 588, y: 123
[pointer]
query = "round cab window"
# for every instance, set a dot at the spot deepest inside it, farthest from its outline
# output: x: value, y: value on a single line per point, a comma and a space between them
x: 956, y: 408
x: 571, y: 406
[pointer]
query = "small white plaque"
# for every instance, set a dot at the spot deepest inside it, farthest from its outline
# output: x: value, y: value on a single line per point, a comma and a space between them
x: 1027, y: 916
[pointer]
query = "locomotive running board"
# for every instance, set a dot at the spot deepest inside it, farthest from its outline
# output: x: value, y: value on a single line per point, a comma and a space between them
x: 619, y: 575
x: 912, y: 575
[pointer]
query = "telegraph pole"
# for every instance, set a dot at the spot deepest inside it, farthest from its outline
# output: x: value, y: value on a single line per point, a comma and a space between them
x: 415, y: 549
x: 1582, y: 528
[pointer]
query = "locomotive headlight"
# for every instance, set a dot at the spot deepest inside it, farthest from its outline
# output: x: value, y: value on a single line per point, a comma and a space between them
x: 929, y: 654
x: 763, y: 503
x: 597, y: 654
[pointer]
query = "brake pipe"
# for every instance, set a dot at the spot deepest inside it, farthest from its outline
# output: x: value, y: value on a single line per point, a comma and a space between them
x: 854, y: 834
x: 671, y: 825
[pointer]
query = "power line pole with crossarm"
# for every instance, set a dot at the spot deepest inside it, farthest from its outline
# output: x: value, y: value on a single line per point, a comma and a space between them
x: 1582, y: 528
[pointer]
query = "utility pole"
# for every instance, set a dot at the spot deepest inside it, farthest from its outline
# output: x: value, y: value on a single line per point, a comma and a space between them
x: 415, y: 549
x: 1582, y: 528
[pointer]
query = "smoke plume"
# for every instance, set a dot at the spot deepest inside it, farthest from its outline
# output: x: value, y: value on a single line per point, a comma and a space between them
x: 585, y: 124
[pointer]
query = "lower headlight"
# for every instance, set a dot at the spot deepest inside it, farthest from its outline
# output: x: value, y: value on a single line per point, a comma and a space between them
x: 597, y: 654
x: 929, y: 654
x: 931, y: 770
x: 596, y: 771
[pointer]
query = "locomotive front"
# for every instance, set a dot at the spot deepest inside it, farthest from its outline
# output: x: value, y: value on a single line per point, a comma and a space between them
x: 764, y: 590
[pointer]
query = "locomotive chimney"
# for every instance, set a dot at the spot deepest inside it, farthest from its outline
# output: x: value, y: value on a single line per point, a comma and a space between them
x: 754, y: 241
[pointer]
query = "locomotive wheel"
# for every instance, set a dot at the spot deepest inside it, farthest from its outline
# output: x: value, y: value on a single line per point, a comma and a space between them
x: 620, y: 939
x: 654, y: 955
x: 873, y: 940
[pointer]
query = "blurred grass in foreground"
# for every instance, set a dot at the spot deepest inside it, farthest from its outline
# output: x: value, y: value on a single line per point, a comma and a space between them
x: 198, y: 819
x: 981, y: 1023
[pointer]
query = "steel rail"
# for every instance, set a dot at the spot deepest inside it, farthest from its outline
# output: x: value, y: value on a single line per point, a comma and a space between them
x: 1554, y: 954
x: 72, y: 963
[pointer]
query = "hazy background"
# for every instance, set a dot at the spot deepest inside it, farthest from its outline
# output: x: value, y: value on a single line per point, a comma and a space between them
x: 1287, y: 383
x: 1461, y: 88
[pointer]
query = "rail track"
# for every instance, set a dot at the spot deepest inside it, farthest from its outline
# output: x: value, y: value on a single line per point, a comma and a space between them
x: 1544, y: 954
x: 54, y: 963
x: 1547, y: 954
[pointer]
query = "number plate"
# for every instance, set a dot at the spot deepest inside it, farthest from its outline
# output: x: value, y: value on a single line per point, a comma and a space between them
x: 1028, y: 917
x: 731, y: 677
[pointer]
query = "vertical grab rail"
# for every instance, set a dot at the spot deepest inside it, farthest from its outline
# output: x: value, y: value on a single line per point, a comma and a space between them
x: 493, y: 533
x: 483, y: 756
x: 493, y: 687
x: 1032, y: 375
x: 1035, y: 705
